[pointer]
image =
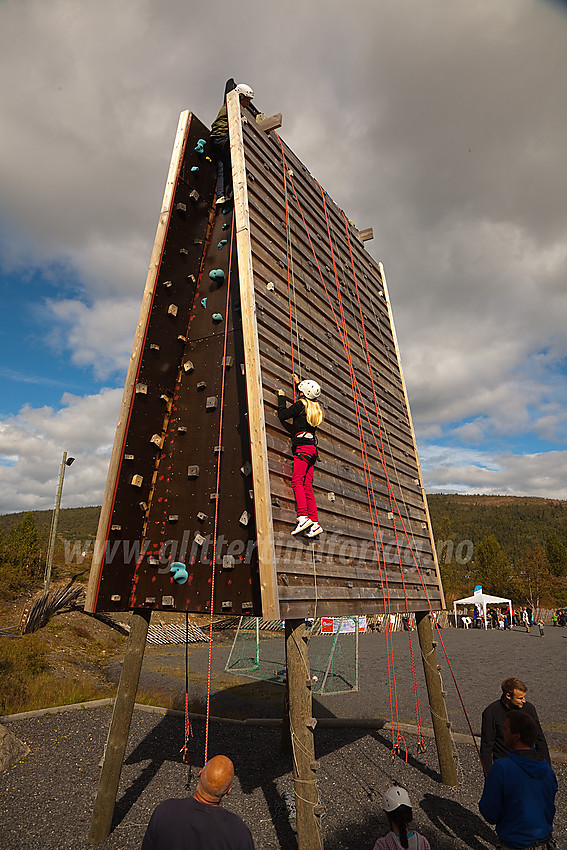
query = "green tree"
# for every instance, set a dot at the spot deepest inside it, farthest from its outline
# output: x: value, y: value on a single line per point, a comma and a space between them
x: 492, y: 566
x: 20, y: 558
x: 534, y: 581
x: 556, y: 555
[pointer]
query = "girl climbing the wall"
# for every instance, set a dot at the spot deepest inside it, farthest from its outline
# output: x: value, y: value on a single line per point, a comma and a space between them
x: 306, y: 415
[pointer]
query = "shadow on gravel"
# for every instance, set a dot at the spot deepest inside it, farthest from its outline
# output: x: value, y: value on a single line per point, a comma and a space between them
x: 411, y: 760
x: 161, y: 745
x: 164, y: 742
x: 453, y: 820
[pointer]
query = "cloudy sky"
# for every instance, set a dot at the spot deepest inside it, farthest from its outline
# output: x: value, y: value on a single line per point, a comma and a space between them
x: 442, y: 124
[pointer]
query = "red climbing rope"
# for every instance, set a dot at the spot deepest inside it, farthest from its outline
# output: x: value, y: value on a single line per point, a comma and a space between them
x: 219, y: 455
x: 188, y: 727
x: 359, y: 403
x: 366, y: 466
x: 287, y: 247
x: 421, y: 741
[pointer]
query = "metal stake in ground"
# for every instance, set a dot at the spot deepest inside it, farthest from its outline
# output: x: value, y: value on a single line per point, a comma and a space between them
x: 441, y: 727
x: 302, y: 725
x: 119, y: 728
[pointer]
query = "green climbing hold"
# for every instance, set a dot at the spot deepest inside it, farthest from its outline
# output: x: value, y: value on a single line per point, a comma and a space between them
x: 216, y: 274
x: 203, y: 302
x: 222, y: 243
x: 179, y: 572
x: 200, y: 146
x: 195, y: 169
x: 217, y: 317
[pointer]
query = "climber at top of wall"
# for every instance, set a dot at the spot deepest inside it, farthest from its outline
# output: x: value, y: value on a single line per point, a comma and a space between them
x: 220, y: 144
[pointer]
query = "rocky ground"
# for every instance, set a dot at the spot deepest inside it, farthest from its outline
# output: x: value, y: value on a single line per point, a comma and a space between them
x: 47, y: 798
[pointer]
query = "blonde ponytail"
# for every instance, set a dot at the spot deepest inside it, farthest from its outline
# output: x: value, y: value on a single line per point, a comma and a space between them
x: 313, y: 412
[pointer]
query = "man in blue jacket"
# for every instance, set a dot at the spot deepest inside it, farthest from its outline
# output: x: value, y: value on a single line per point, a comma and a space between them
x: 519, y: 791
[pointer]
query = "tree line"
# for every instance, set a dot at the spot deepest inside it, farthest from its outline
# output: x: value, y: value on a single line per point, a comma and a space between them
x: 514, y: 546
x: 519, y: 547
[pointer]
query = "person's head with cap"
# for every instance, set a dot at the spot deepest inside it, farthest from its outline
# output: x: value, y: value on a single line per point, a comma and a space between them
x: 215, y: 780
x: 396, y: 804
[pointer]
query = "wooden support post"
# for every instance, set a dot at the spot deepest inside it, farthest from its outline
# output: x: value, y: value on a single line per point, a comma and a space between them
x: 101, y: 821
x: 302, y: 725
x: 441, y: 727
x: 254, y: 390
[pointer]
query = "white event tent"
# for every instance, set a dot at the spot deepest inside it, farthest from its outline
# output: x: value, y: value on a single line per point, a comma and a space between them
x: 481, y: 599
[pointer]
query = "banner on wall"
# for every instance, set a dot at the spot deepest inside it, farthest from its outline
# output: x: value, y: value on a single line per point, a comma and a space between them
x: 344, y: 625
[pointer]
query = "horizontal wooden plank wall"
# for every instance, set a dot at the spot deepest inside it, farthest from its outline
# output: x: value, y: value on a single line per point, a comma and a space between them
x: 296, y: 270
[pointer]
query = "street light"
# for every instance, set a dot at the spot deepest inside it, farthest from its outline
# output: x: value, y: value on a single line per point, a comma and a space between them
x: 66, y: 461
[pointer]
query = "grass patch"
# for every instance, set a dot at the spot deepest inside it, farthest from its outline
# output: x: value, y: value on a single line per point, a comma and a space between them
x: 27, y: 681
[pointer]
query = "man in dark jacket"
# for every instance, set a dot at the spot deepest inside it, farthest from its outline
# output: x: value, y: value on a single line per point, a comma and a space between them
x: 492, y: 744
x: 200, y: 822
x: 519, y: 792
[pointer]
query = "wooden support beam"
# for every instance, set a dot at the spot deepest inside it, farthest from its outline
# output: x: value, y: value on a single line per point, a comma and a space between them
x: 366, y: 235
x: 272, y: 123
x: 441, y: 726
x: 103, y: 811
x: 302, y: 725
x: 254, y: 391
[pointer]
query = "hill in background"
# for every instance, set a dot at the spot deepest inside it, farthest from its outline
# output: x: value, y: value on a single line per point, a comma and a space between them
x: 515, y: 521
x: 494, y: 540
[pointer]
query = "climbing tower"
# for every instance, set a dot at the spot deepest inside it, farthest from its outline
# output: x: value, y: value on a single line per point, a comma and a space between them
x: 237, y: 299
x: 198, y: 506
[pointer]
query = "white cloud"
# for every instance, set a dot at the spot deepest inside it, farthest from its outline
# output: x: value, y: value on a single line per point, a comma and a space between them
x: 439, y: 123
x: 542, y: 474
x: 99, y: 337
x: 33, y: 441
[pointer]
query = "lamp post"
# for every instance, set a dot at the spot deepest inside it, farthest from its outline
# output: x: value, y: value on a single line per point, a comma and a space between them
x: 66, y: 461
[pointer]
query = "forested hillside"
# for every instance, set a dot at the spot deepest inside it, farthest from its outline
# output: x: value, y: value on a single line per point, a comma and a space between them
x: 515, y: 521
x: 514, y: 546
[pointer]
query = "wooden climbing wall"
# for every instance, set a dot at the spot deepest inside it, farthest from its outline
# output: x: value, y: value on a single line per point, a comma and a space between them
x: 297, y: 292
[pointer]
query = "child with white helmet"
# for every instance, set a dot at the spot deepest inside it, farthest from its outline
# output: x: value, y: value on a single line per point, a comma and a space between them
x: 396, y: 805
x: 306, y: 415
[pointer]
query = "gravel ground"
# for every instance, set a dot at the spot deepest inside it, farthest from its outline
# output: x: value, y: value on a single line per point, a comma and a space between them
x: 46, y: 799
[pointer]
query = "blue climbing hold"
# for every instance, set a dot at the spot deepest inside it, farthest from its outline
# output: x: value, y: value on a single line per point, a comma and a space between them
x: 179, y: 572
x: 200, y: 146
x: 216, y: 274
x: 203, y: 302
x: 217, y: 317
x: 195, y: 169
x: 226, y: 225
x: 222, y: 243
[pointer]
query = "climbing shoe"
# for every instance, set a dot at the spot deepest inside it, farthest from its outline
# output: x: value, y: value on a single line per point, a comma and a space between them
x: 303, y: 522
x: 315, y: 530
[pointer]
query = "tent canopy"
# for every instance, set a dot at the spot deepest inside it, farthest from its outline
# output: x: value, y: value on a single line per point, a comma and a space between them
x: 482, y: 599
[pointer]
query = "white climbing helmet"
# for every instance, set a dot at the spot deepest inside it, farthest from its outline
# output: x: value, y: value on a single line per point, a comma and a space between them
x: 394, y: 797
x: 244, y: 90
x: 310, y: 389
